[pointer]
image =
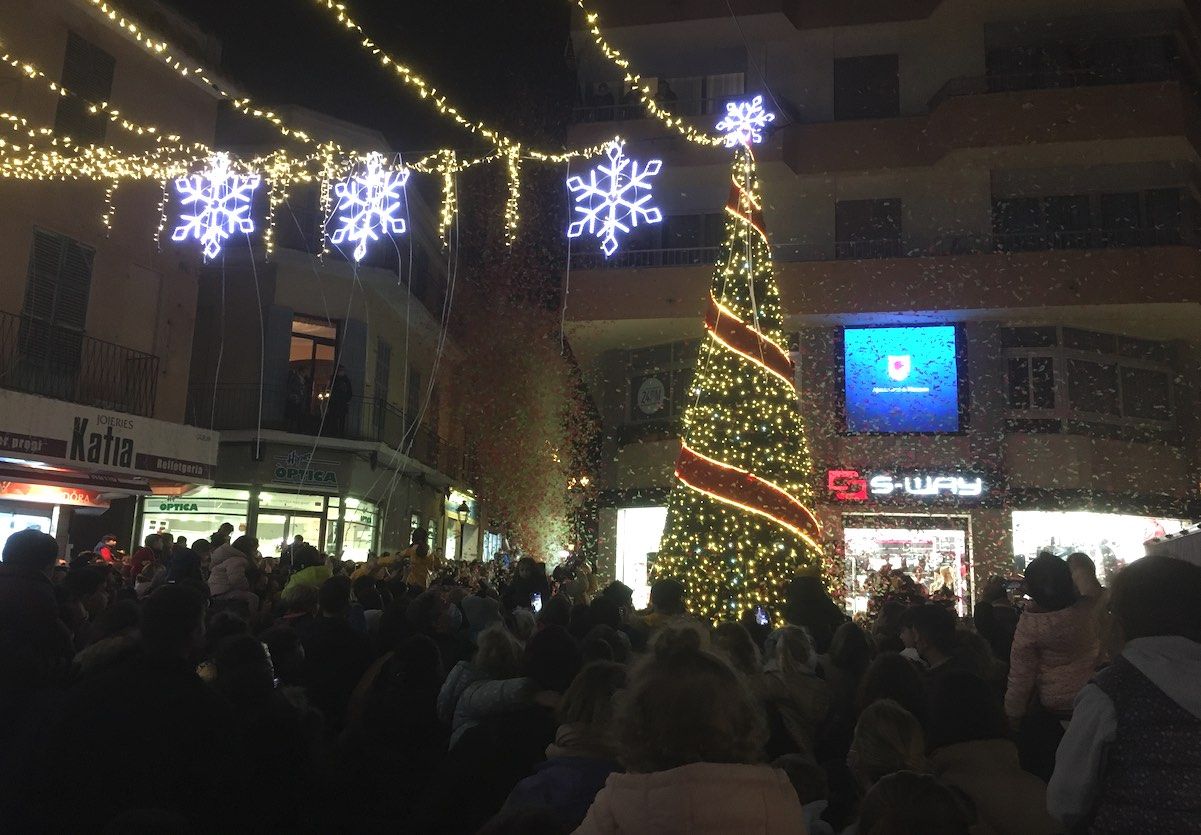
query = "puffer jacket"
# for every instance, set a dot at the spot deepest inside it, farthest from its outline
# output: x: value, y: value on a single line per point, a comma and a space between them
x: 227, y: 571
x: 1054, y: 654
x: 698, y: 798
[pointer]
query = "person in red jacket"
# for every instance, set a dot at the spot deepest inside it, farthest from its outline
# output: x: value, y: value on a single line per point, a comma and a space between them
x: 106, y: 549
x: 148, y: 553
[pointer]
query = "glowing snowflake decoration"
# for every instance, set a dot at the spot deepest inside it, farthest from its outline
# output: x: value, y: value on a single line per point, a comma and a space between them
x: 369, y: 204
x: 744, y: 122
x: 220, y: 201
x: 609, y: 201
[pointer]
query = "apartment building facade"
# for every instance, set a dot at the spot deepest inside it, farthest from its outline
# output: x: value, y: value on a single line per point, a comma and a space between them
x: 272, y: 330
x: 1003, y: 200
x: 96, y: 322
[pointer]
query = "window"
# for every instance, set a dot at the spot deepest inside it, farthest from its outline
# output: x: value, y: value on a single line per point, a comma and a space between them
x: 660, y: 380
x: 1079, y: 221
x: 722, y: 88
x: 312, y: 354
x: 1072, y: 373
x: 1031, y: 382
x: 418, y: 275
x: 867, y: 87
x: 867, y: 228
x: 692, y: 232
x: 1093, y: 387
x: 1120, y: 221
x: 413, y: 395
x: 1071, y: 64
x: 88, y: 72
x: 57, y: 291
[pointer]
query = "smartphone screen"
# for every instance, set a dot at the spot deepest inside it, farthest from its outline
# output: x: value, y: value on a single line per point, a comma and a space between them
x: 760, y: 616
x: 536, y: 602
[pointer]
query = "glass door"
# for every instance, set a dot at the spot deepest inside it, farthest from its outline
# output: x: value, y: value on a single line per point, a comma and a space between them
x: 276, y: 530
x: 272, y: 533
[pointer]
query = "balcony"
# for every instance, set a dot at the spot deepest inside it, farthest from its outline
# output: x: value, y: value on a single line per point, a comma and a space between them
x: 237, y: 407
x: 883, y: 248
x: 37, y: 357
x: 609, y: 112
x: 968, y: 115
x: 681, y: 257
x: 1044, y: 240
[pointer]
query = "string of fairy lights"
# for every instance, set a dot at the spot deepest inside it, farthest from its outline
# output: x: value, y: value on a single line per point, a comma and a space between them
x: 361, y: 199
x: 217, y: 187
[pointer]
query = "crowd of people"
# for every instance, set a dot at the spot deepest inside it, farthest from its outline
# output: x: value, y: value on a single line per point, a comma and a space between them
x: 220, y: 696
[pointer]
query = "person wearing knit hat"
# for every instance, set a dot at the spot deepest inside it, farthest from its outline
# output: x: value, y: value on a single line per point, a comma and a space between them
x: 481, y: 612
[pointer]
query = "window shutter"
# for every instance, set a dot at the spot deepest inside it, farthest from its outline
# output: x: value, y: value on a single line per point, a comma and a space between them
x: 87, y: 72
x: 45, y: 256
x: 57, y: 289
x: 74, y: 287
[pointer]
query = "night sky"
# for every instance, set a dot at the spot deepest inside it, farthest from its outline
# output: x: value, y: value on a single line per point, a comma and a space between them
x: 484, y: 55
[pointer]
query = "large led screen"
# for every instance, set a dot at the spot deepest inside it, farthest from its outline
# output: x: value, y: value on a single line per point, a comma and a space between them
x: 901, y: 379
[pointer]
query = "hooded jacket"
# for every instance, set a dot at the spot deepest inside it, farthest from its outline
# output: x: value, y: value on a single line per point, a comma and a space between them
x: 1054, y: 655
x: 698, y: 798
x: 1091, y: 745
x: 227, y: 571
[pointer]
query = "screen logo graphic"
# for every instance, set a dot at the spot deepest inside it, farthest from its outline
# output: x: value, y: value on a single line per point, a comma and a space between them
x: 899, y: 367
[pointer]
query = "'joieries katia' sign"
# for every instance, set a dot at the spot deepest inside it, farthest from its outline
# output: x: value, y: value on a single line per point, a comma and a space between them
x: 91, y: 440
x: 859, y: 486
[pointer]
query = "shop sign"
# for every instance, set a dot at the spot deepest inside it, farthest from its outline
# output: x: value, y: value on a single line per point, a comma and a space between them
x: 178, y: 507
x: 49, y: 494
x: 110, y: 442
x: 858, y: 485
x: 652, y: 395
x: 300, y: 467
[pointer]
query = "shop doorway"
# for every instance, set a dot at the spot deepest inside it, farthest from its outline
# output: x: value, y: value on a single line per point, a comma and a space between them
x: 275, y: 530
x: 935, y: 551
x: 16, y: 518
x: 639, y: 530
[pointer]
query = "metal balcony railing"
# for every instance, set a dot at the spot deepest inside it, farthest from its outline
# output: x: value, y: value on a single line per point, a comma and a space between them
x: 236, y: 407
x: 1042, y: 240
x: 37, y: 357
x: 634, y: 109
x: 680, y: 257
x: 874, y: 248
x: 895, y: 248
x: 976, y: 85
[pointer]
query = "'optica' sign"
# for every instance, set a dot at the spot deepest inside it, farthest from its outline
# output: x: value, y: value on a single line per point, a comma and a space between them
x: 858, y: 486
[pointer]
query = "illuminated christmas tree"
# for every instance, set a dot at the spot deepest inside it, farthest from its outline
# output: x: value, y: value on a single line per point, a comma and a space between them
x: 739, y: 518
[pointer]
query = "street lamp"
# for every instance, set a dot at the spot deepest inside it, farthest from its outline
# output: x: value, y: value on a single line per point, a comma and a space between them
x: 462, y: 512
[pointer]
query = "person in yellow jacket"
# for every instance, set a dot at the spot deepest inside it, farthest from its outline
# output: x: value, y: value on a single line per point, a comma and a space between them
x: 421, y: 561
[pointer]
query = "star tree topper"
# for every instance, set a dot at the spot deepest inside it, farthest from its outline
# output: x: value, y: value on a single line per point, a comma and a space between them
x: 609, y: 201
x: 744, y: 122
x: 369, y: 205
x: 220, y: 201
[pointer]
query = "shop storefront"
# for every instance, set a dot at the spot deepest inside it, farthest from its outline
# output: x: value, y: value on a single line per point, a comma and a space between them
x: 639, y: 530
x: 917, y: 522
x: 276, y: 491
x: 462, y: 527
x: 333, y: 524
x: 63, y: 466
x: 1112, y: 540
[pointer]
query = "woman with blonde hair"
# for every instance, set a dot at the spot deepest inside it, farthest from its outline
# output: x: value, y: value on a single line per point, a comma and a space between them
x: 734, y: 643
x: 887, y: 739
x: 584, y: 752
x: 691, y: 736
x: 796, y: 699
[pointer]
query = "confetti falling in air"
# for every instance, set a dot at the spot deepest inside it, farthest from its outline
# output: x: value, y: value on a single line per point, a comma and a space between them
x: 369, y: 204
x: 220, y: 201
x: 744, y: 122
x: 610, y: 202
